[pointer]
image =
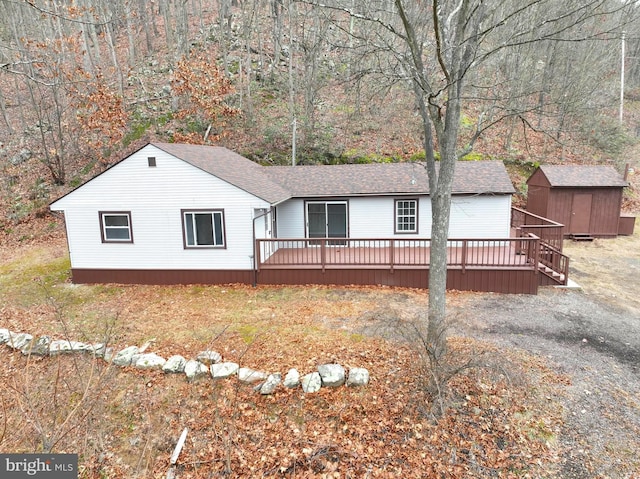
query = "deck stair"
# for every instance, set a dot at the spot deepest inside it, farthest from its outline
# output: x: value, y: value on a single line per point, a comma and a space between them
x: 553, y: 264
x: 581, y: 237
x: 556, y: 276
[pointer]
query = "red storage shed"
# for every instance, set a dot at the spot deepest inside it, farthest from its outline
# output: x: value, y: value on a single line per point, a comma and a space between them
x: 586, y: 199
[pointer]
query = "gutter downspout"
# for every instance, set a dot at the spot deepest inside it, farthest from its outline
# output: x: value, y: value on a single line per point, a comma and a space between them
x: 255, y: 262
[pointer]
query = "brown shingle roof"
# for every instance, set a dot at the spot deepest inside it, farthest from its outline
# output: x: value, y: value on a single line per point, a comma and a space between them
x: 387, y: 179
x: 582, y: 176
x: 230, y: 167
x: 278, y: 183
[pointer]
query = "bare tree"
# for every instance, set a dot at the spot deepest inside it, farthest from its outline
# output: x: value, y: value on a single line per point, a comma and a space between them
x: 437, y: 48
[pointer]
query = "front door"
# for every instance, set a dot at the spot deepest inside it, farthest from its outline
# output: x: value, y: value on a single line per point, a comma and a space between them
x: 581, y: 213
x: 327, y: 219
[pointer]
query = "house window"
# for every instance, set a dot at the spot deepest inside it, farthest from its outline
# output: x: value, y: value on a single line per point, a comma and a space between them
x: 151, y: 160
x: 203, y: 229
x: 115, y: 227
x: 406, y: 216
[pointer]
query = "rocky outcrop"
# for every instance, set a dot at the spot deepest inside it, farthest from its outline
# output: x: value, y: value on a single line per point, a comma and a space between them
x: 207, y: 364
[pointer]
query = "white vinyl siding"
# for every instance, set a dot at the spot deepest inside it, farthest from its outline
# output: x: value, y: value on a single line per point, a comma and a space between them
x: 374, y: 217
x: 480, y: 216
x: 290, y: 219
x: 156, y: 197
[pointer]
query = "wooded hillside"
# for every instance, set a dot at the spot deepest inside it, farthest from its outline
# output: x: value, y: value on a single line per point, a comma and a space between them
x: 84, y: 82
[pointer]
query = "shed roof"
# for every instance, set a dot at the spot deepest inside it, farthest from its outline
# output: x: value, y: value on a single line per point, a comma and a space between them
x: 387, y: 178
x: 570, y: 176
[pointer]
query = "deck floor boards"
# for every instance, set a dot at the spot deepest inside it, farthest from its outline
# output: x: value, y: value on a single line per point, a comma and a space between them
x: 417, y: 257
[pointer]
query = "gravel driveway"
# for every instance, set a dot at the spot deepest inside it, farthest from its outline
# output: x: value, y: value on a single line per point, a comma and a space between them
x: 591, y: 335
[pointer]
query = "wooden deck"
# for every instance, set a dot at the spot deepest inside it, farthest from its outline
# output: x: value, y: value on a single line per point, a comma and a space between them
x: 531, y: 258
x: 498, y: 265
x: 337, y: 256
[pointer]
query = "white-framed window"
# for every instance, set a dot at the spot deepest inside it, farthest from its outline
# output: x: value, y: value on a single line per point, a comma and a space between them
x: 115, y: 227
x: 407, y: 216
x: 203, y: 228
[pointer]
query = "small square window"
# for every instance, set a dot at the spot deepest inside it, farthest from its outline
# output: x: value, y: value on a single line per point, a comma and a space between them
x: 406, y: 216
x: 116, y: 227
x: 151, y: 160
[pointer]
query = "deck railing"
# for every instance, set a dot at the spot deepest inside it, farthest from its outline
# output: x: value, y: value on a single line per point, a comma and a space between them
x: 554, y: 263
x: 395, y: 253
x: 526, y: 223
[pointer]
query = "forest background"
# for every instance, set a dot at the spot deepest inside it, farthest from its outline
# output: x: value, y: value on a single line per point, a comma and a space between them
x: 83, y: 83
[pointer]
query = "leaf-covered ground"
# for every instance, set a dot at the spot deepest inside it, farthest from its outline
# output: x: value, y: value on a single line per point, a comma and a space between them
x: 499, y: 420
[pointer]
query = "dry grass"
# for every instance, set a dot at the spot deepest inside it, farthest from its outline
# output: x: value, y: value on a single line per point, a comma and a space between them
x: 608, y: 268
x: 124, y: 423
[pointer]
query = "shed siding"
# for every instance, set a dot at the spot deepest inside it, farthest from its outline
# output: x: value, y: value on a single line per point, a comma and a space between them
x: 538, y: 200
x: 584, y: 205
x: 156, y: 216
x: 559, y: 207
x: 605, y: 209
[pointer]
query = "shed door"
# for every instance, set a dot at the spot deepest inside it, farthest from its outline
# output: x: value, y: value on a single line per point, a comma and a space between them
x: 581, y: 213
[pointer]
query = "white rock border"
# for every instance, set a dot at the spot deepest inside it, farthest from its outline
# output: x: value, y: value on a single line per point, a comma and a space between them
x: 207, y: 363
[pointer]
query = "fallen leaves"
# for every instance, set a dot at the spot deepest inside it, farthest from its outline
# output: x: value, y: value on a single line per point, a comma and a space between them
x: 500, y: 420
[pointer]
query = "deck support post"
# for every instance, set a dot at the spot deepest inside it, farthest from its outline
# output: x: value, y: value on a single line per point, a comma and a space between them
x: 392, y: 246
x: 463, y: 260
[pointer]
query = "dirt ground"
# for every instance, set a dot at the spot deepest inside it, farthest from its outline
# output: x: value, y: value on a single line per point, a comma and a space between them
x: 593, y: 336
x: 589, y: 335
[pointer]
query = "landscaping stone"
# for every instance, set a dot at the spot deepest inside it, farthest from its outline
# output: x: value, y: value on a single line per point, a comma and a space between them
x: 19, y: 340
x: 39, y: 347
x: 148, y: 361
x: 175, y: 364
x: 270, y: 385
x: 292, y: 379
x: 210, y: 363
x: 358, y: 377
x: 195, y: 369
x: 99, y: 349
x: 124, y: 357
x: 64, y: 346
x: 107, y: 355
x: 223, y: 370
x: 209, y: 357
x: 312, y: 382
x: 248, y: 375
x: 332, y: 375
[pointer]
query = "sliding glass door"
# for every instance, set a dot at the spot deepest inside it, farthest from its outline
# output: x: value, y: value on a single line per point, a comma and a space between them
x: 327, y: 219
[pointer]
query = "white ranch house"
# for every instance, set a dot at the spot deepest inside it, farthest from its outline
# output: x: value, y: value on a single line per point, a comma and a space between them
x: 178, y: 213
